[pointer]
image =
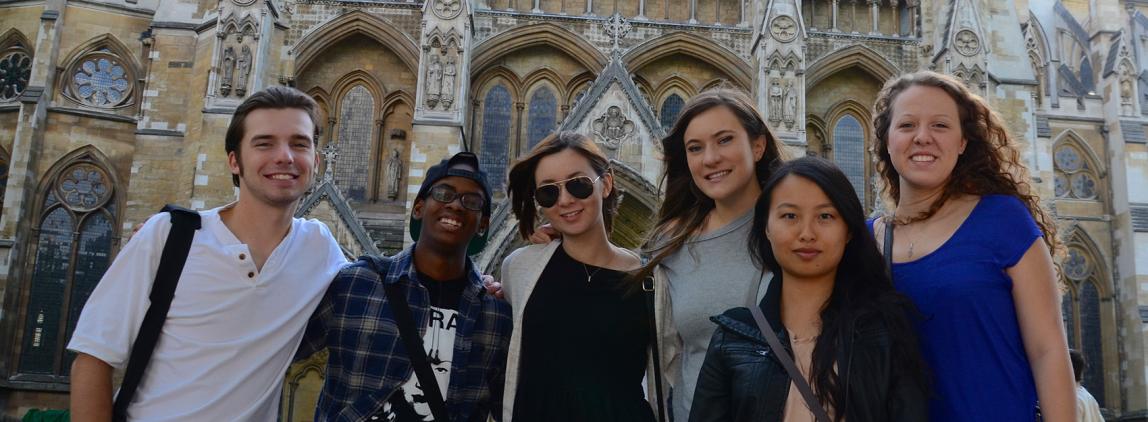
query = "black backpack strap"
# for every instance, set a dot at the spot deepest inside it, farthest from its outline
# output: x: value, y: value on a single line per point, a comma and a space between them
x: 648, y: 291
x: 888, y: 247
x: 184, y: 223
x: 415, y: 351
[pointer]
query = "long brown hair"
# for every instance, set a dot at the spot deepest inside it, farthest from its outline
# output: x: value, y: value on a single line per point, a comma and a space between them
x: 685, y: 207
x: 522, y: 184
x: 990, y: 164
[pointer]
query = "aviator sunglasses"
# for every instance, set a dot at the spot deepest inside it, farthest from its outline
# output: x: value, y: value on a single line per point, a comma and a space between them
x: 580, y: 187
x: 446, y: 194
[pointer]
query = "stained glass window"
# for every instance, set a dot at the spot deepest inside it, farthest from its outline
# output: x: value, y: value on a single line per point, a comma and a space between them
x: 1090, y: 340
x: 849, y: 152
x: 670, y: 109
x: 73, y: 251
x: 15, y: 70
x: 3, y: 175
x: 543, y: 112
x: 1074, y: 177
x: 495, y: 149
x: 1081, y: 307
x: 355, y: 137
x: 101, y: 80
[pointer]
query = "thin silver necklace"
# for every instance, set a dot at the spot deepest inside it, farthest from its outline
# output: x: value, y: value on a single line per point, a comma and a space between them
x: 589, y: 274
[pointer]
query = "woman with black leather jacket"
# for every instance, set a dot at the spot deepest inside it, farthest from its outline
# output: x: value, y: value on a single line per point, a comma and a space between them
x: 834, y: 309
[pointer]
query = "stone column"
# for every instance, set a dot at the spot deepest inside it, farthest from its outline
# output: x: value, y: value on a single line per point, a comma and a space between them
x: 875, y: 15
x: 693, y: 11
x: 833, y: 16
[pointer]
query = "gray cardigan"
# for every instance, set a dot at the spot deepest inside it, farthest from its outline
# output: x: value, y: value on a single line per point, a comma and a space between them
x: 520, y: 273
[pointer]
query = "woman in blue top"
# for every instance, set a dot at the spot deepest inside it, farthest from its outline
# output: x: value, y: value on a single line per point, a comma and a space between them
x: 971, y: 247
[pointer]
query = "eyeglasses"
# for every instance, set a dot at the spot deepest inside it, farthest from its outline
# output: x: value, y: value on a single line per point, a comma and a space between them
x: 580, y: 187
x: 446, y: 194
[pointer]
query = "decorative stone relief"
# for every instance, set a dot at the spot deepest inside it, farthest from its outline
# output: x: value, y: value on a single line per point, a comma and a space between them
x: 966, y: 43
x: 394, y: 174
x: 617, y: 28
x: 613, y: 128
x: 783, y: 28
x: 440, y: 82
x: 236, y: 60
x: 447, y: 9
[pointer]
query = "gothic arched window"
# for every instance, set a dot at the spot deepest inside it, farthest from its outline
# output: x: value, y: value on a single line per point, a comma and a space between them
x: 1081, y: 308
x: 543, y: 116
x: 670, y: 109
x: 356, y: 130
x: 15, y: 71
x: 1075, y: 178
x: 73, y: 248
x: 849, y: 151
x: 495, y: 151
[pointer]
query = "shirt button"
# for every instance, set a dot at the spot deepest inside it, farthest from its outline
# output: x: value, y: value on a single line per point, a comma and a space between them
x: 374, y: 418
x: 242, y: 256
x: 251, y: 274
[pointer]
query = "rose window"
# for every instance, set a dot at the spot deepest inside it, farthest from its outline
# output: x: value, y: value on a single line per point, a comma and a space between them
x: 15, y: 70
x: 101, y: 81
x: 1074, y: 176
x: 83, y: 187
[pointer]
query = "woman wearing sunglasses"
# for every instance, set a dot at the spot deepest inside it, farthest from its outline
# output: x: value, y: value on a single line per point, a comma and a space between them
x: 578, y: 351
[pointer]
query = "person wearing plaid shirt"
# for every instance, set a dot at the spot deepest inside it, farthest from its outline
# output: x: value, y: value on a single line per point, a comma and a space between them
x: 465, y: 330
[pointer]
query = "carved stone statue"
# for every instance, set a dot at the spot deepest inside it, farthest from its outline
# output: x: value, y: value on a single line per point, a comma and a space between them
x: 449, y: 71
x: 394, y: 174
x: 227, y: 67
x: 790, y: 102
x: 434, y: 81
x: 775, y: 99
x: 613, y: 128
x: 244, y: 68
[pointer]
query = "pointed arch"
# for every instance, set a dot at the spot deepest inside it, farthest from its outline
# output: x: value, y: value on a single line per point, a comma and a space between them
x: 674, y: 84
x: 74, y: 238
x: 396, y: 97
x: 548, y: 34
x: 1078, y: 172
x: 577, y: 85
x: 541, y: 113
x: 13, y: 37
x: 695, y: 46
x: 103, y: 57
x: 357, y: 106
x: 358, y: 22
x: 849, y: 139
x: 855, y: 55
x: 514, y: 82
x: 1091, y: 320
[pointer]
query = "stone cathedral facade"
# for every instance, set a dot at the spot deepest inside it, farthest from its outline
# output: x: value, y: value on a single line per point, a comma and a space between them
x: 111, y: 108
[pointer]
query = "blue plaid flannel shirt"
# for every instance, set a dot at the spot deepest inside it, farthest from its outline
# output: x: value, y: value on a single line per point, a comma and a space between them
x: 368, y: 361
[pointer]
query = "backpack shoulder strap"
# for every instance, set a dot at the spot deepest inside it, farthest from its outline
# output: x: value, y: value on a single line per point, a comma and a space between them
x: 184, y: 223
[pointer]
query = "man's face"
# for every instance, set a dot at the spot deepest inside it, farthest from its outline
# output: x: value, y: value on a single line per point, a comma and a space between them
x: 276, y: 159
x: 448, y: 224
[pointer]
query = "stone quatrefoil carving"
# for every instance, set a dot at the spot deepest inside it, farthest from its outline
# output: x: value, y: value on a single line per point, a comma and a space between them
x: 783, y: 28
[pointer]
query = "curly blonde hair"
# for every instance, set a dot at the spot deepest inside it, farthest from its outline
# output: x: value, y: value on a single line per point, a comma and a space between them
x: 990, y: 164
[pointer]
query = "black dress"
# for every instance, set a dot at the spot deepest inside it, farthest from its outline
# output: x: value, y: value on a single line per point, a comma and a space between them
x: 584, y: 347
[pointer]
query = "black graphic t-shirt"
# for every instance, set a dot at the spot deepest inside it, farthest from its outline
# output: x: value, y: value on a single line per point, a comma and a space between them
x: 408, y: 403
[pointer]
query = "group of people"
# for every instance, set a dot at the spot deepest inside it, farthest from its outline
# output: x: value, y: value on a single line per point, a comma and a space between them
x: 762, y: 294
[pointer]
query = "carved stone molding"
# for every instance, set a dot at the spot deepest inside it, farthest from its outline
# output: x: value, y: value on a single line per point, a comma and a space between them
x: 783, y: 28
x: 447, y: 9
x: 967, y: 43
x: 613, y: 128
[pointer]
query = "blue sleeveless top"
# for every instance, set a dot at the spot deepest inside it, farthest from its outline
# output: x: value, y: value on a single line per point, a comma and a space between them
x: 969, y: 332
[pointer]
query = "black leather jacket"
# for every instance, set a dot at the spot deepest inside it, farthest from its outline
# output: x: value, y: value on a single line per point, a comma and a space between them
x: 742, y: 380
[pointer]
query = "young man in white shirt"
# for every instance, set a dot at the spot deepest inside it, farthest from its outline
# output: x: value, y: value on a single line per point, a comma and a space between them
x: 253, y: 276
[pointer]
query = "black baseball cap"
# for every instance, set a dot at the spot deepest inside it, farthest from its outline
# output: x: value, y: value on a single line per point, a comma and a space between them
x: 449, y: 167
